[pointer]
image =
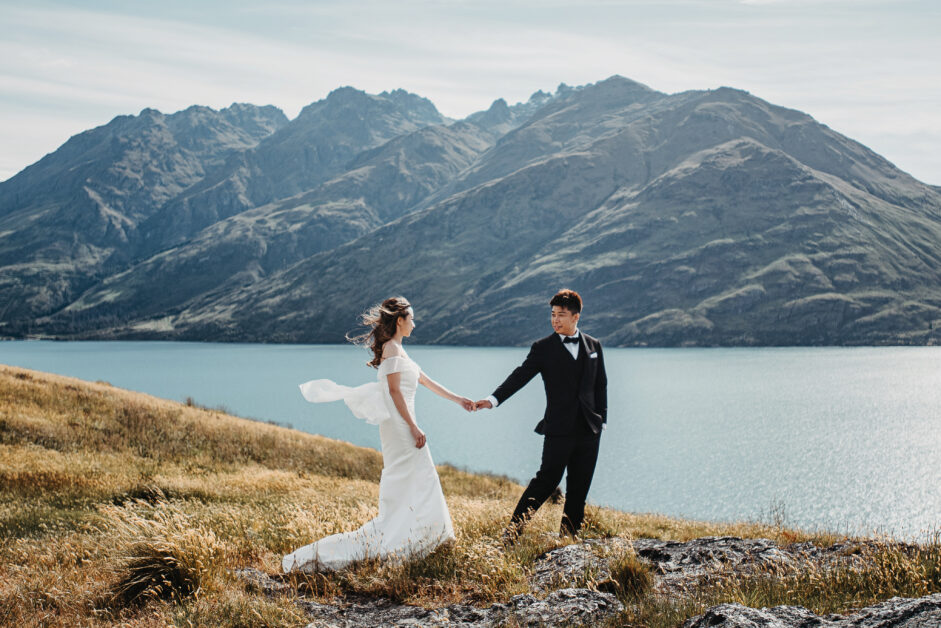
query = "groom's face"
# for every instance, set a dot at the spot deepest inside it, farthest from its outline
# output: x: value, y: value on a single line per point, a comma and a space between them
x: 563, y: 321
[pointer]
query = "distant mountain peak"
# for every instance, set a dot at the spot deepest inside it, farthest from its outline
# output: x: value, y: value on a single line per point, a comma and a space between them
x: 621, y: 81
x: 618, y: 85
x: 345, y: 91
x: 538, y: 99
x: 348, y: 96
x: 401, y: 94
x: 735, y: 90
x: 499, y: 113
x: 238, y: 107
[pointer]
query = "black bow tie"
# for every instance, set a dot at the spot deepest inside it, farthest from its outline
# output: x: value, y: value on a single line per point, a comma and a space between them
x: 568, y: 339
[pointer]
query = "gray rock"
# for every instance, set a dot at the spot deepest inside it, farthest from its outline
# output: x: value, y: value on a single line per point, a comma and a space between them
x: 709, y: 553
x: 681, y: 567
x: 560, y: 608
x: 577, y: 564
x: 565, y: 607
x: 897, y: 612
x: 260, y: 581
x: 738, y: 616
x: 924, y: 612
x: 378, y: 612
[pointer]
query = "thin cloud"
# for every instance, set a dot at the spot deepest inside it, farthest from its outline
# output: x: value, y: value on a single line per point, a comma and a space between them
x: 842, y: 65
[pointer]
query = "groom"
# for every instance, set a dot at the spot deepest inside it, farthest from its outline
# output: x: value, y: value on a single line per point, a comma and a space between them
x: 572, y: 369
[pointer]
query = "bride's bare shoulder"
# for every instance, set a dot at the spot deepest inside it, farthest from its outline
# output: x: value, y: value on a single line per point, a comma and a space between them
x: 391, y: 350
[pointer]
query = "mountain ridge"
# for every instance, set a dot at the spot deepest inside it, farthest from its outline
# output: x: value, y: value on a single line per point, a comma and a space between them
x: 705, y: 217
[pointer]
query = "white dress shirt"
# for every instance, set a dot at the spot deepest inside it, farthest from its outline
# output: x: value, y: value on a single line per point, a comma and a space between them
x: 571, y: 347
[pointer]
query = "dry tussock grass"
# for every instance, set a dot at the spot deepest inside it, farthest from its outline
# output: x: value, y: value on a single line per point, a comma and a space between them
x: 117, y: 507
x: 885, y: 569
x: 159, y: 553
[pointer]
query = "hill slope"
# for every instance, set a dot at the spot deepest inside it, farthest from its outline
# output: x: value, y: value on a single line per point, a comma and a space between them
x: 118, y: 507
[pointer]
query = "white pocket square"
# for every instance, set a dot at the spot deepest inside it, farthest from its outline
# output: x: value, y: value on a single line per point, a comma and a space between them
x: 593, y: 355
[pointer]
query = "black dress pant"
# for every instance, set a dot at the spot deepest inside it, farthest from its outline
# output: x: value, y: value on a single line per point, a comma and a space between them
x: 576, y: 453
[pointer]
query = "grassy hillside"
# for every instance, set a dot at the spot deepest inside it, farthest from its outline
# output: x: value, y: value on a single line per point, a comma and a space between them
x: 120, y: 507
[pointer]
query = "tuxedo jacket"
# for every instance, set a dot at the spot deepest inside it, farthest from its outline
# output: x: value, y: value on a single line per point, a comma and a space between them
x: 574, y: 386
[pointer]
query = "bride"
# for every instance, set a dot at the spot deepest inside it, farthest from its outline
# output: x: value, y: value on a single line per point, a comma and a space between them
x: 413, y: 516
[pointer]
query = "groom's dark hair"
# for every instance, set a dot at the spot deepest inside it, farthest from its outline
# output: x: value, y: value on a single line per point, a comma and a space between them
x: 568, y: 299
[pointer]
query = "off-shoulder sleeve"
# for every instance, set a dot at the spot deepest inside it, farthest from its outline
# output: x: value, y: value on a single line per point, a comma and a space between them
x: 394, y: 364
x: 365, y: 402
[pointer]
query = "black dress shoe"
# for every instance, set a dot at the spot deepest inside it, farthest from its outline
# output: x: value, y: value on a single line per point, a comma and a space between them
x: 565, y: 532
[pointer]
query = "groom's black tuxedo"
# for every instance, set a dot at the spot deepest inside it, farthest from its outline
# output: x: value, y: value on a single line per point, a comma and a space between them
x: 576, y: 410
x: 576, y: 388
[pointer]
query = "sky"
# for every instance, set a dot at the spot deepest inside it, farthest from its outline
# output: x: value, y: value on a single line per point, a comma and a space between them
x: 870, y: 69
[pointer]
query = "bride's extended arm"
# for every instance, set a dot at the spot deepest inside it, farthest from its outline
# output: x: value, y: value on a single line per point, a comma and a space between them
x: 395, y: 391
x: 441, y: 391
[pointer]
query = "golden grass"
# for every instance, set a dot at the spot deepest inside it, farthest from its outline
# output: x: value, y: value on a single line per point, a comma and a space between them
x: 633, y: 580
x: 118, y: 507
x: 886, y: 569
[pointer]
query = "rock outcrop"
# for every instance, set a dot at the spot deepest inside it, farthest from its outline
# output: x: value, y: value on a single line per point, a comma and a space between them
x: 568, y: 589
x: 563, y: 607
x: 897, y: 612
x: 680, y: 567
x: 577, y: 564
x: 566, y: 607
x: 683, y: 566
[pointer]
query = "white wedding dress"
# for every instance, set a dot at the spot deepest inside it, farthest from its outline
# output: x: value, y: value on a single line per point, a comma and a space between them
x: 413, y: 516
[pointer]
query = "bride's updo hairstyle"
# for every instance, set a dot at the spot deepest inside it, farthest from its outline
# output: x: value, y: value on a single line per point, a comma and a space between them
x: 383, y: 320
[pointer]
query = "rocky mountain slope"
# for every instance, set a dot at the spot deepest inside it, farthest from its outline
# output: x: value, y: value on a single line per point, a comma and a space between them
x: 697, y: 218
x: 318, y: 144
x: 380, y: 185
x: 70, y: 219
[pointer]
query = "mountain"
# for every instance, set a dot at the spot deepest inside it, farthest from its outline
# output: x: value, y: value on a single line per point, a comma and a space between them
x: 697, y: 218
x: 314, y: 147
x: 70, y: 218
x: 165, y: 178
x: 379, y: 186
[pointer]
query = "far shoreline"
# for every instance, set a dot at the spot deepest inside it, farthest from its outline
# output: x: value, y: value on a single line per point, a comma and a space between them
x: 66, y: 339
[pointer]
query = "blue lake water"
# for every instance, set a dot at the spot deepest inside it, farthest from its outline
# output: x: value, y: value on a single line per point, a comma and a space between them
x: 839, y: 438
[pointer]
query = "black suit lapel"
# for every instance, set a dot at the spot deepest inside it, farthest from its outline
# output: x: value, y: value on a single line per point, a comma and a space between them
x: 587, y: 366
x: 582, y: 359
x: 562, y: 350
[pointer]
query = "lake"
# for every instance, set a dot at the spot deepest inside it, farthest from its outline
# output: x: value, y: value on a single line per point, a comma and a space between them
x: 847, y: 439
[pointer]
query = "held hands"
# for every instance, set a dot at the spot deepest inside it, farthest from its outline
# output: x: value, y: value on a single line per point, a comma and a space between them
x: 472, y: 406
x: 419, y: 436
